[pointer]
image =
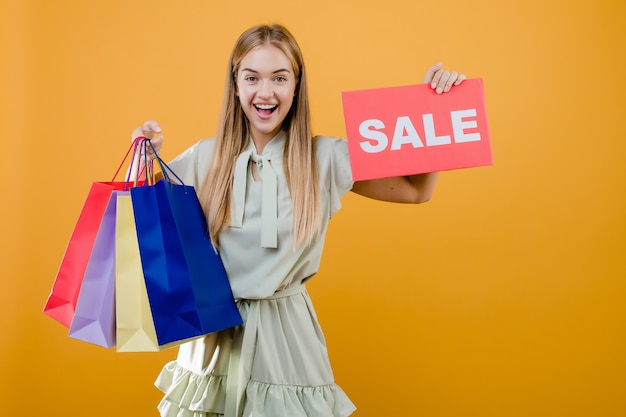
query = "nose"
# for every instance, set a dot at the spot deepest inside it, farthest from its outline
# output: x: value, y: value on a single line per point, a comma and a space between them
x: 265, y: 89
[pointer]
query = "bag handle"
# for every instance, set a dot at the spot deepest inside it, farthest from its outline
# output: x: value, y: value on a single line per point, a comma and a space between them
x: 133, y: 147
x: 164, y: 167
x: 147, y: 163
x: 138, y: 144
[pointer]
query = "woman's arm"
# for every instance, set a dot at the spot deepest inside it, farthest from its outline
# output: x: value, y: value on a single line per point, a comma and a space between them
x: 415, y: 188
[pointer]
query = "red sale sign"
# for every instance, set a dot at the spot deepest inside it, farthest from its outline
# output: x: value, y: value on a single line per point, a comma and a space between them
x: 412, y: 130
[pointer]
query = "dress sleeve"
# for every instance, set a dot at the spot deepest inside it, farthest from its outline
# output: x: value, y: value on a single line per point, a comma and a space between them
x: 191, y: 165
x: 335, y: 170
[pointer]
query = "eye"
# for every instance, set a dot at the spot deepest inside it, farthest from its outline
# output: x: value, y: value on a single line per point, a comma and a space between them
x: 280, y: 79
x: 249, y: 78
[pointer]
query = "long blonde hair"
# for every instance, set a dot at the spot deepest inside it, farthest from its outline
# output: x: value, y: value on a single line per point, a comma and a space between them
x: 233, y: 135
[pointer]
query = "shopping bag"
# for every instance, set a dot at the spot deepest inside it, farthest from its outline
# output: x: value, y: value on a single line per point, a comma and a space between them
x: 135, y: 330
x: 94, y: 319
x: 214, y: 297
x: 186, y: 281
x: 61, y: 303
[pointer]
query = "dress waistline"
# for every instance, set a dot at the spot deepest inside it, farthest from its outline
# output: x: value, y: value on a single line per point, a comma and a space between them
x: 243, y: 347
x: 287, y: 292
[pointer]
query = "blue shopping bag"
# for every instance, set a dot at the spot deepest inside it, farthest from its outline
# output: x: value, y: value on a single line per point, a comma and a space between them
x: 187, y: 285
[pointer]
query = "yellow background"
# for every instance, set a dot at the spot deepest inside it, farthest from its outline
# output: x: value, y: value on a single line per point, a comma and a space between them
x: 503, y: 296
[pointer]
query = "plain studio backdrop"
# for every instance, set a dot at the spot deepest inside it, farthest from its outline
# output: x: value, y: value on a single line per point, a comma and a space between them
x: 503, y: 296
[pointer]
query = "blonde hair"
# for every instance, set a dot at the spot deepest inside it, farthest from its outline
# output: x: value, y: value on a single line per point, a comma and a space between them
x: 233, y: 135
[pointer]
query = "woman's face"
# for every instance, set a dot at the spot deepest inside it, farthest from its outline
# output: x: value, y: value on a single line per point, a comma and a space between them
x: 266, y: 86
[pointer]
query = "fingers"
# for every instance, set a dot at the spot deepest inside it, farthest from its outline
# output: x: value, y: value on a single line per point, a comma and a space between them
x: 148, y: 130
x: 431, y: 72
x: 459, y: 79
x: 442, y: 81
x: 157, y: 144
x: 450, y: 80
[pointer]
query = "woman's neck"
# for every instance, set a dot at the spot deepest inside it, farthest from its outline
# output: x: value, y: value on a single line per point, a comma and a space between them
x: 262, y: 139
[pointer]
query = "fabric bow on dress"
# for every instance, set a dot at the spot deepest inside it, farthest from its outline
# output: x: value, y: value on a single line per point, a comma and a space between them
x: 269, y: 204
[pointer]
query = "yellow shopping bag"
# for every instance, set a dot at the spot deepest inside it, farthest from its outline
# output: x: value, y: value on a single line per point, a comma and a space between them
x: 135, y: 328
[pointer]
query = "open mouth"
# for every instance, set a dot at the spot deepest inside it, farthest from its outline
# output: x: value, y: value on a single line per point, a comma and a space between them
x: 265, y: 109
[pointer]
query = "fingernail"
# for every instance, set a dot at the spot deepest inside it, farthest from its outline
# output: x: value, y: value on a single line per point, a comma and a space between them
x: 439, y: 90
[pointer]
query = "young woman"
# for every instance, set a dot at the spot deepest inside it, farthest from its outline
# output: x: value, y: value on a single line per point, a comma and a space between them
x: 268, y: 188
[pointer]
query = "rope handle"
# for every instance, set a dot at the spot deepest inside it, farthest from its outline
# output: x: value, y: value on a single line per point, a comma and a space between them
x: 133, y: 147
x: 140, y: 144
x: 147, y: 168
x: 164, y: 167
x: 147, y: 163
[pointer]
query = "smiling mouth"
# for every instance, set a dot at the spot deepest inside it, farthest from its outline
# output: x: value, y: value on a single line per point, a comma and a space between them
x: 265, y: 109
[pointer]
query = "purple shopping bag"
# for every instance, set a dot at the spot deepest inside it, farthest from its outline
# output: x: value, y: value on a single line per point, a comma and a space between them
x: 94, y: 319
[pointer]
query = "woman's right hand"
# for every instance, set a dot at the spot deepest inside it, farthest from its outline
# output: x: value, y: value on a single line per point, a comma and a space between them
x: 149, y: 130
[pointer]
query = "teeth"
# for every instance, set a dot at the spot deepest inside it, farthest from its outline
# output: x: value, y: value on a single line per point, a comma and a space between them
x: 265, y: 106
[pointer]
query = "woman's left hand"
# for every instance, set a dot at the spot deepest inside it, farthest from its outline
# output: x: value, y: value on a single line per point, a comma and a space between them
x: 440, y: 80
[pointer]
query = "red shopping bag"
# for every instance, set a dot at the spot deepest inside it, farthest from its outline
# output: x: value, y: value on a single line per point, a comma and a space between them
x: 61, y: 303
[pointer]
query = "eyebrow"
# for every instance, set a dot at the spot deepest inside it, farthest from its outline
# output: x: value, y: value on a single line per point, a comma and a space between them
x: 274, y: 72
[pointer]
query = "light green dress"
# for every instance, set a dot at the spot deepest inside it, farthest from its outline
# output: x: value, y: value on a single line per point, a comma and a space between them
x: 276, y: 364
